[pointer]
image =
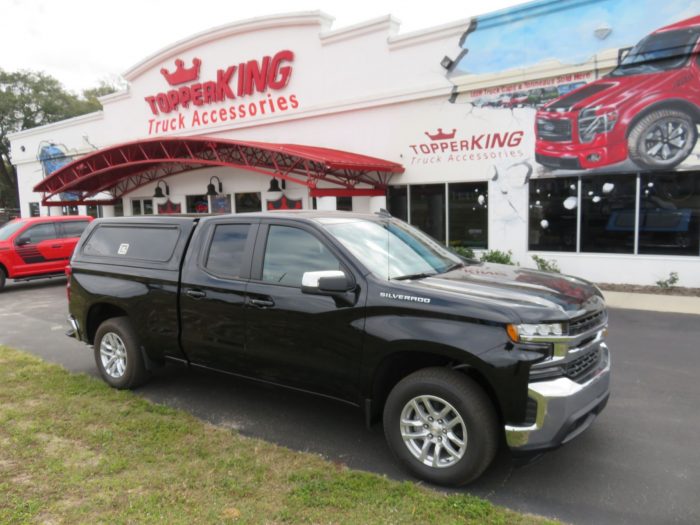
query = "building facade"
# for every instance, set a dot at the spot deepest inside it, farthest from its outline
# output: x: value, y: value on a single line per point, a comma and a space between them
x: 566, y: 129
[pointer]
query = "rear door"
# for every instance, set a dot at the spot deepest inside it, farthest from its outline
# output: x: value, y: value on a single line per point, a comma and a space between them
x: 212, y: 294
x: 68, y: 234
x: 312, y: 342
x: 38, y: 250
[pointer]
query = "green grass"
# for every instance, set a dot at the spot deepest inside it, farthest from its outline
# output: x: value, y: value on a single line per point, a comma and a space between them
x: 72, y: 450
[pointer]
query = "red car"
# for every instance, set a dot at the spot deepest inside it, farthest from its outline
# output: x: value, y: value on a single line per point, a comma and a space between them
x: 38, y: 247
x: 646, y: 109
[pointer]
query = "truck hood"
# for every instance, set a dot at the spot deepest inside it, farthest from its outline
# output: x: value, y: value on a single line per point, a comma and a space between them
x: 610, y: 91
x: 533, y: 295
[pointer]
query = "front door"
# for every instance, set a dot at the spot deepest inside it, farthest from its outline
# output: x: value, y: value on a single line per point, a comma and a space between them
x: 312, y: 342
x: 38, y: 251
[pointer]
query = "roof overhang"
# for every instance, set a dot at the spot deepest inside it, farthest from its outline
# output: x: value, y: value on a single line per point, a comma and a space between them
x: 106, y: 175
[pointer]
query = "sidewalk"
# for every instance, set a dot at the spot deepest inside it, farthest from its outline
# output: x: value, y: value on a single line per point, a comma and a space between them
x: 652, y: 302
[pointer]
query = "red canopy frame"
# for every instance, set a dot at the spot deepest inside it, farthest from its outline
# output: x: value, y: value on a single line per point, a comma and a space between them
x: 121, y: 169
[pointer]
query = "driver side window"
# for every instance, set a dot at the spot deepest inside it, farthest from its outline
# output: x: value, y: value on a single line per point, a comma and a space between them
x: 38, y: 233
x: 290, y: 252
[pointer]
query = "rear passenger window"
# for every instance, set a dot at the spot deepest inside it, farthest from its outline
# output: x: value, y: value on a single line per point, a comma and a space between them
x: 225, y: 255
x: 148, y: 243
x: 73, y: 228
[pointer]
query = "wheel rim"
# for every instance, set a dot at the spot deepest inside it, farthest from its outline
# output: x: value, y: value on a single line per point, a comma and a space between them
x: 667, y: 140
x: 113, y: 355
x: 433, y: 431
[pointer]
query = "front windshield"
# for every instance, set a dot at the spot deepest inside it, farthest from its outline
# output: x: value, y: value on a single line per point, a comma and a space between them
x: 391, y: 249
x: 658, y: 52
x: 9, y: 228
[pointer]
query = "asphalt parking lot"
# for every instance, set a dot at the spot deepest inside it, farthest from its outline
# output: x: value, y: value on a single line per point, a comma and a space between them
x: 638, y: 463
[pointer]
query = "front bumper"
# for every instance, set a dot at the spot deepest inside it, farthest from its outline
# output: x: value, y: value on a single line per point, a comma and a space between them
x: 565, y: 408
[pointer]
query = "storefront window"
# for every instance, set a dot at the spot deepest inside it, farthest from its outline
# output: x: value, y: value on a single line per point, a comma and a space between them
x: 344, y: 203
x: 553, y: 212
x: 142, y: 207
x: 397, y: 202
x: 468, y: 215
x: 607, y: 213
x: 428, y: 209
x: 70, y: 210
x: 94, y: 211
x: 248, y: 202
x: 669, y: 214
x: 197, y: 204
x: 34, y: 210
x: 119, y: 208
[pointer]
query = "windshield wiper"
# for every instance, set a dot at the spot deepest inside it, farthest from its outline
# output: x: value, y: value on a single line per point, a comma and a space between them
x: 453, y: 267
x: 413, y: 276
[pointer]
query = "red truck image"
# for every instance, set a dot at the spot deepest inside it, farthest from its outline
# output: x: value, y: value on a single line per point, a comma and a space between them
x: 646, y: 109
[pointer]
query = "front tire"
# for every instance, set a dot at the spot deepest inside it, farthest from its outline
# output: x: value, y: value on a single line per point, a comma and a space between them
x: 441, y: 426
x: 662, y: 139
x: 118, y: 354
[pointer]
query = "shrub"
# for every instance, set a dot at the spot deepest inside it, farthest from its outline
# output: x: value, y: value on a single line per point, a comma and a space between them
x: 465, y: 252
x: 668, y: 283
x: 498, y: 256
x: 546, y: 265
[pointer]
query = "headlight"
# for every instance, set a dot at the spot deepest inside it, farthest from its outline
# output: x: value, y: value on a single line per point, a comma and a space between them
x: 519, y: 331
x: 593, y: 121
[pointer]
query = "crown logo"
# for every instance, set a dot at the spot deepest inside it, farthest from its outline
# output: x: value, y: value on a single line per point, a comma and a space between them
x: 182, y: 75
x: 441, y: 135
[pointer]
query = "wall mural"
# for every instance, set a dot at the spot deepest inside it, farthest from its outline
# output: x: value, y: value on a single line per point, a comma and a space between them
x: 53, y: 156
x: 578, y: 87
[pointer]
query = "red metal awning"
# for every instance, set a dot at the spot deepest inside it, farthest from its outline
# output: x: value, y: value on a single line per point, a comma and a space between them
x: 118, y: 170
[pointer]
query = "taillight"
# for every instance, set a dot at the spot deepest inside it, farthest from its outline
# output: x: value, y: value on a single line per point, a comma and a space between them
x: 69, y: 272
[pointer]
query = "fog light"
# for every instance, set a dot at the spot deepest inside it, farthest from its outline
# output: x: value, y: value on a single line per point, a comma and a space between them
x: 593, y: 157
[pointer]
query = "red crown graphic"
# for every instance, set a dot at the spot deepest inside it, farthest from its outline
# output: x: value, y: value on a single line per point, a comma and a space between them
x: 182, y: 75
x: 441, y: 135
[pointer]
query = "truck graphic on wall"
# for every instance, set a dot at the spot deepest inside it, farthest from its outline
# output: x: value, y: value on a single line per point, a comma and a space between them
x: 645, y: 110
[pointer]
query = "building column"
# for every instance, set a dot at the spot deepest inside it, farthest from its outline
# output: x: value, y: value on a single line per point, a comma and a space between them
x: 107, y: 211
x: 55, y: 211
x: 377, y: 203
x: 326, y: 203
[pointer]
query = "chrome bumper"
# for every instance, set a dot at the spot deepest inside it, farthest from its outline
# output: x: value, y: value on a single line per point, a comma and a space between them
x: 565, y: 408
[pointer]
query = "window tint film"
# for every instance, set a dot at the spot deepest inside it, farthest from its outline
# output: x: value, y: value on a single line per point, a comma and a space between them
x: 397, y: 202
x: 73, y: 228
x: 553, y: 211
x: 226, y: 250
x: 133, y: 242
x: 291, y: 252
x: 669, y: 214
x: 428, y: 209
x: 607, y: 213
x: 40, y: 232
x: 469, y: 214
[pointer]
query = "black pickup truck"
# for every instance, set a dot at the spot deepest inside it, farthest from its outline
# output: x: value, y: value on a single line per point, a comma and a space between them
x: 450, y: 353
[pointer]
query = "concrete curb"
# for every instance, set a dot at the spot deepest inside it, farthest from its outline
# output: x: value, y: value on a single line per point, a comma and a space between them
x: 652, y: 302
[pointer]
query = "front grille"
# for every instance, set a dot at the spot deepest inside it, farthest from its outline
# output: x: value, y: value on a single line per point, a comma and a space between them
x: 554, y: 130
x: 581, y: 366
x: 585, y: 323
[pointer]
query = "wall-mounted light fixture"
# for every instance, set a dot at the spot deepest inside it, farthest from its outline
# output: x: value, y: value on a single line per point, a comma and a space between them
x: 211, y: 189
x: 447, y: 63
x: 158, y: 194
x: 274, y: 186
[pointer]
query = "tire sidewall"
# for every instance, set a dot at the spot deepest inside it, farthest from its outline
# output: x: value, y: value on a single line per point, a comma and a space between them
x: 639, y: 131
x: 471, y: 463
x: 122, y: 328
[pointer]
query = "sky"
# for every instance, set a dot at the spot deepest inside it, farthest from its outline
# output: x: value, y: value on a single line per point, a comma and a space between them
x: 83, y: 42
x: 567, y: 34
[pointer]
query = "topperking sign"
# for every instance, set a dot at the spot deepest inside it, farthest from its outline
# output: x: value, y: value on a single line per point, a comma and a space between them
x: 250, y: 84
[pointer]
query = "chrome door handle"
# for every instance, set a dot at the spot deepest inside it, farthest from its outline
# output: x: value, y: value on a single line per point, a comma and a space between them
x: 196, y: 294
x: 262, y: 303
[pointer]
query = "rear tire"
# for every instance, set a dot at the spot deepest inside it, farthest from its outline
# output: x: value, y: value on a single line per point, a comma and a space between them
x: 662, y: 139
x: 118, y: 354
x: 441, y: 426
